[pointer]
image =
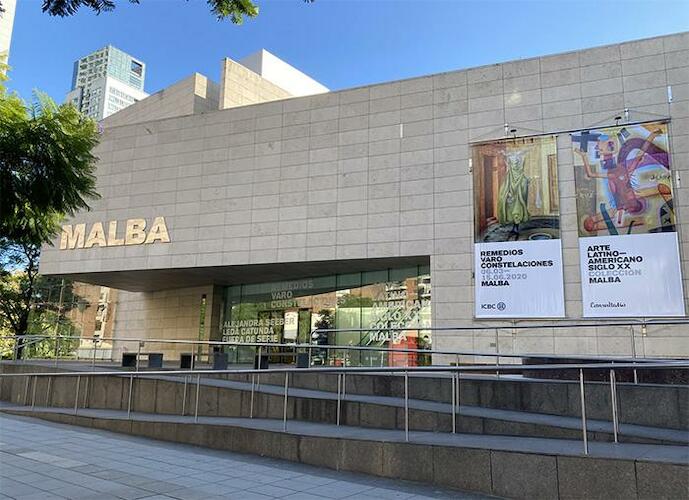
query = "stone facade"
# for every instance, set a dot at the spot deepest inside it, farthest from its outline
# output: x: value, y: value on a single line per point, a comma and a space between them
x: 380, y: 171
x: 193, y: 95
x: 240, y: 86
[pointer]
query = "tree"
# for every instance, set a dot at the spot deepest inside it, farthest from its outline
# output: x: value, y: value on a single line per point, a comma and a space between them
x: 235, y: 10
x: 18, y: 275
x: 46, y: 166
x: 27, y: 305
x: 46, y: 172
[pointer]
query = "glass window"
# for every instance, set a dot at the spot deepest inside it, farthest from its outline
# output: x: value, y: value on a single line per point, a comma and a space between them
x: 389, y: 307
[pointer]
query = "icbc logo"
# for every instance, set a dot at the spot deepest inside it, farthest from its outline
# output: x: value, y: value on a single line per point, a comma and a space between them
x: 500, y: 306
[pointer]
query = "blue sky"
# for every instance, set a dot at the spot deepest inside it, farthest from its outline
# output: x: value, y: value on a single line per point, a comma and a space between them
x: 342, y: 43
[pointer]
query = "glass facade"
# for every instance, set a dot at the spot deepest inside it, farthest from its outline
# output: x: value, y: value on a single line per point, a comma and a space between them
x: 390, y: 307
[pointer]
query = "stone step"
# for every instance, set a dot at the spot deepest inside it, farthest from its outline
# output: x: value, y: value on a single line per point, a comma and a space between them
x: 220, y: 397
x: 514, y: 467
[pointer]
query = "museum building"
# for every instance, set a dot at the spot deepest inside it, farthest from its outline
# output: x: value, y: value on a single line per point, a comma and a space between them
x: 450, y: 211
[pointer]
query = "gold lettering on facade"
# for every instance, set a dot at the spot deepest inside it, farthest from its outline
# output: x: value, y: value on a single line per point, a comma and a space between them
x: 158, y: 231
x: 96, y: 236
x: 72, y: 237
x: 113, y: 241
x: 135, y: 234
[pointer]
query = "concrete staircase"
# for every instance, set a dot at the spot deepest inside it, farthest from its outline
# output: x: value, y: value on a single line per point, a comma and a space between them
x: 537, y: 419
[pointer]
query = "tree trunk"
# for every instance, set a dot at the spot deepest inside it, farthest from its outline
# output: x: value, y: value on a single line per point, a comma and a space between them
x: 22, y: 330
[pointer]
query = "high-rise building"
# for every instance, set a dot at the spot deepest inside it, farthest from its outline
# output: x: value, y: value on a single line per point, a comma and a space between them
x: 107, y: 81
x: 6, y: 23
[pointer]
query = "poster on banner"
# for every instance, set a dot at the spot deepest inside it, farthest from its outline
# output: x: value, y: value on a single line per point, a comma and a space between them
x: 628, y: 243
x: 291, y: 326
x: 517, y: 249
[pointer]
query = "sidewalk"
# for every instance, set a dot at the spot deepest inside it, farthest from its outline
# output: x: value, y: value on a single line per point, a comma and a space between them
x: 45, y: 460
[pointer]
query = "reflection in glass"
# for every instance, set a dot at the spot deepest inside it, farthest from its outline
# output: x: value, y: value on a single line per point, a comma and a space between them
x: 386, y: 308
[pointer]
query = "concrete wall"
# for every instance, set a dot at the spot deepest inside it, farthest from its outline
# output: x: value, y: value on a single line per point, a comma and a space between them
x: 195, y: 94
x: 382, y: 171
x: 239, y: 86
x: 283, y: 75
x: 559, y: 472
x: 169, y: 314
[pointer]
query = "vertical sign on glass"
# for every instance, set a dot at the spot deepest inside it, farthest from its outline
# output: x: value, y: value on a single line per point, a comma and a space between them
x: 628, y: 244
x: 517, y: 250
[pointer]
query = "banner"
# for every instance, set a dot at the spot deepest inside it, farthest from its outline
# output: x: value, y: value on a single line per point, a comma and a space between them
x: 628, y: 243
x: 517, y: 249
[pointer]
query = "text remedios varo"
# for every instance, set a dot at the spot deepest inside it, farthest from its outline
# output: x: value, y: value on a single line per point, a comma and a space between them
x: 495, y: 259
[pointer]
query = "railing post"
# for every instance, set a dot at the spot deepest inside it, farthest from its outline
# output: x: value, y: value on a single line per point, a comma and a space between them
x: 613, y: 403
x: 198, y: 388
x: 583, y: 411
x: 459, y: 393
x: 454, y: 397
x: 284, y: 406
x: 86, y: 390
x: 76, y: 396
x: 184, y: 395
x: 633, y: 339
x: 339, y: 388
x: 93, y: 360
x: 251, y: 404
x: 138, y: 356
x: 406, y: 406
x: 129, y: 401
x: 57, y: 349
x: 33, y: 393
x: 497, y: 352
x: 26, y: 391
x: 47, y: 392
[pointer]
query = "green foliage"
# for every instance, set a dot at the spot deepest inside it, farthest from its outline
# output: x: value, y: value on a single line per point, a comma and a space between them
x: 18, y: 276
x: 21, y: 286
x: 46, y: 166
x: 65, y: 8
x: 234, y: 10
x: 30, y: 303
x: 4, y: 68
x: 46, y: 172
x: 326, y: 319
x: 353, y: 300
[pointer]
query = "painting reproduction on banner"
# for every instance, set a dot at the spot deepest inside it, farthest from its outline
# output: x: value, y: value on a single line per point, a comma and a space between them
x: 517, y: 254
x: 628, y: 242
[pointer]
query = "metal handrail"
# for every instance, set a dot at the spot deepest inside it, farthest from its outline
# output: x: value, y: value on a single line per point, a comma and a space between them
x: 556, y: 323
x: 657, y: 365
x: 341, y: 372
x: 407, y: 350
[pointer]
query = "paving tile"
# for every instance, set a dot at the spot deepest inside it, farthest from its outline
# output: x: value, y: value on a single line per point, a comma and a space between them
x: 301, y: 495
x: 46, y: 460
x: 271, y: 490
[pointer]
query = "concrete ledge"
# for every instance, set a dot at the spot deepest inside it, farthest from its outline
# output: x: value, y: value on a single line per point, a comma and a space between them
x: 527, y: 475
x: 164, y: 395
x: 556, y: 397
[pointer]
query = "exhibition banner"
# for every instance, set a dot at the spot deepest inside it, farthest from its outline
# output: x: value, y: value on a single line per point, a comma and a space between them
x: 517, y: 249
x: 628, y: 243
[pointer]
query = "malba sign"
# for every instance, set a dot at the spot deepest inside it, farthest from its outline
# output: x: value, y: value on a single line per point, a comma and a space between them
x: 135, y: 233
